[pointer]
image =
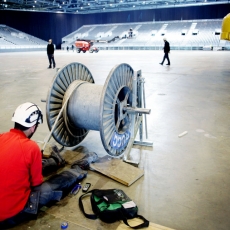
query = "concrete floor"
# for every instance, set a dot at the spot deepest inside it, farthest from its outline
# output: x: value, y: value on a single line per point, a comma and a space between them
x: 187, y: 180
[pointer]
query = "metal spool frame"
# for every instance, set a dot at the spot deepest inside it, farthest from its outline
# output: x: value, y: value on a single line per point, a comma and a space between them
x: 70, y: 115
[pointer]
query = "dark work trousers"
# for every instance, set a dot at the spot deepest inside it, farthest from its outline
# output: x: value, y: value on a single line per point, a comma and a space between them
x: 55, y: 188
x: 51, y: 60
x: 166, y: 56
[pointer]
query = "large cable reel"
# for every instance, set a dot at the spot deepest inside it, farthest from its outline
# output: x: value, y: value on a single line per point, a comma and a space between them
x: 76, y: 105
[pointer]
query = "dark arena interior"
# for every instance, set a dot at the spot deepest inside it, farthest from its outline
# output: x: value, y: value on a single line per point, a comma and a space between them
x: 161, y: 132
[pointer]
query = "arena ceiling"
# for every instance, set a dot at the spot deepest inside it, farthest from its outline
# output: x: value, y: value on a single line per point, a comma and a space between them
x: 98, y: 6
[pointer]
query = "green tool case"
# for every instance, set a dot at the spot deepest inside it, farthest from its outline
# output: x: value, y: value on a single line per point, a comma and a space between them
x: 112, y: 205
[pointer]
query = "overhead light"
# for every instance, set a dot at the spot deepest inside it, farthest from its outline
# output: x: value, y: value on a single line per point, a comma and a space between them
x: 33, y: 6
x: 88, y: 4
x: 133, y: 5
x: 103, y: 8
x: 35, y: 1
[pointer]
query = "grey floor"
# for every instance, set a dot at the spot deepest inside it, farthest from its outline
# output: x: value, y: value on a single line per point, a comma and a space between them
x: 186, y: 185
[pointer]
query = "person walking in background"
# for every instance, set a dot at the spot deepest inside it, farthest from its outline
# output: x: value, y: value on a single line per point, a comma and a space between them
x: 130, y: 33
x: 50, y: 53
x: 166, y: 51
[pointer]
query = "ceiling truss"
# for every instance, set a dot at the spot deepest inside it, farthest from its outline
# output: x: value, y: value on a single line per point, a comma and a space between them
x: 98, y: 6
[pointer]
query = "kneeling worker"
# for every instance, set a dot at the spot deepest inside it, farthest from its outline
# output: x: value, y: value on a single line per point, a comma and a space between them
x: 22, y: 190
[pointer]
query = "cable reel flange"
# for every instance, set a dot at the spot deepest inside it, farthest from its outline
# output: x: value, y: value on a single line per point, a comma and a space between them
x: 64, y: 78
x: 115, y: 122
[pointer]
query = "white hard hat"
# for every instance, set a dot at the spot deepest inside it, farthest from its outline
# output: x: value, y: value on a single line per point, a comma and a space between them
x: 27, y: 115
x: 164, y: 39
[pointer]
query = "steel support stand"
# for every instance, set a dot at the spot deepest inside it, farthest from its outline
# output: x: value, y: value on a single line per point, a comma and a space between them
x: 137, y: 119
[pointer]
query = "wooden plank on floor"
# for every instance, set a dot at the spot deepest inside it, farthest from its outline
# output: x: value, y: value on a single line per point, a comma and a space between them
x: 134, y: 222
x: 117, y: 170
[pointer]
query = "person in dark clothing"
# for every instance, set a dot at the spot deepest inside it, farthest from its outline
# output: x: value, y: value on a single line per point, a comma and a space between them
x: 50, y: 53
x: 130, y: 33
x: 166, y: 51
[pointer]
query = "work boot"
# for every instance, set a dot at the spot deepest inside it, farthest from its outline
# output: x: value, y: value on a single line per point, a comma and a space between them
x: 49, y: 166
x: 84, y: 163
x: 53, y: 163
x: 55, y: 153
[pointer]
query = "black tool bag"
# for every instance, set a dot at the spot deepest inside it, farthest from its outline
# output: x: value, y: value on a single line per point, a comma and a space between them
x: 112, y: 205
